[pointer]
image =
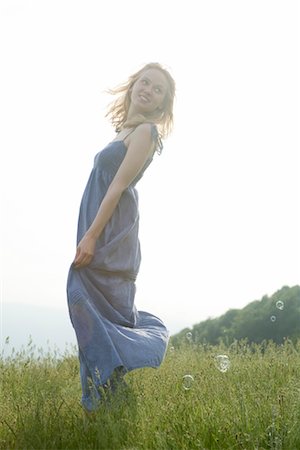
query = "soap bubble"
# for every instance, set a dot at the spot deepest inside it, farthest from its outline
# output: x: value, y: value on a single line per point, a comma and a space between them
x: 172, y: 349
x: 222, y: 363
x: 189, y: 336
x: 280, y: 305
x: 273, y: 318
x: 187, y: 382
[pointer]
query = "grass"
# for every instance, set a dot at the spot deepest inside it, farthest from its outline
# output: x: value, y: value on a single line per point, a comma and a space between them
x: 255, y: 404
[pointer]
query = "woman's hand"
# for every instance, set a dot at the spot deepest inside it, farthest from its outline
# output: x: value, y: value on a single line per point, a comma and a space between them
x: 85, y: 251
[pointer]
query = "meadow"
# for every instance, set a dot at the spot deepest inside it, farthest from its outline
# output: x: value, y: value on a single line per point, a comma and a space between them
x: 195, y: 400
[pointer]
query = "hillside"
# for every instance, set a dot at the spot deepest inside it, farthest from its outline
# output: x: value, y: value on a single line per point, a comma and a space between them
x: 271, y: 318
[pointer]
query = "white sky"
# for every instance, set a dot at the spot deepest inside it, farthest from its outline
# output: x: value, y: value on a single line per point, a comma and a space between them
x: 219, y: 209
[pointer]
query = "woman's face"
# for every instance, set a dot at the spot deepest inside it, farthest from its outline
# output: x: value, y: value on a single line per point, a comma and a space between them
x: 149, y: 91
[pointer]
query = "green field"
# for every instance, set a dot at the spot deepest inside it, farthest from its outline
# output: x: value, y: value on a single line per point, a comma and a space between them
x: 254, y: 404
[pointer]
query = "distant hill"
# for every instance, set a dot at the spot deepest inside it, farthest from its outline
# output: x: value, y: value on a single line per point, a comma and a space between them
x: 271, y: 318
x: 46, y: 327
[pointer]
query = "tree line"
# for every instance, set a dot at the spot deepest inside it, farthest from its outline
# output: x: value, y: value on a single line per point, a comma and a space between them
x: 273, y: 318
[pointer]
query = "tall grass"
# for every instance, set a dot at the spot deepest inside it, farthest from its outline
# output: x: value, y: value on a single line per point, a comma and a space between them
x: 255, y: 404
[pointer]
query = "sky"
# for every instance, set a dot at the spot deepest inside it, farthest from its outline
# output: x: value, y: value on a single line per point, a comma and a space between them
x: 219, y: 209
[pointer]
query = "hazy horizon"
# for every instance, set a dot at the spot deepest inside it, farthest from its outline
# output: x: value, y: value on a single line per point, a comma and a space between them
x: 50, y: 328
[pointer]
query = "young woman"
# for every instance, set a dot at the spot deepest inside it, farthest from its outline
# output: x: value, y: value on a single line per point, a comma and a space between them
x: 113, y: 337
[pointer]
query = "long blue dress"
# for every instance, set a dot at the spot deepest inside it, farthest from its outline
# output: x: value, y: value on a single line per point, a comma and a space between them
x: 110, y: 332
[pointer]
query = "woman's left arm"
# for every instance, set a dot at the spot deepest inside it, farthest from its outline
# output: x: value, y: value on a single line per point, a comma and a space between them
x: 139, y: 150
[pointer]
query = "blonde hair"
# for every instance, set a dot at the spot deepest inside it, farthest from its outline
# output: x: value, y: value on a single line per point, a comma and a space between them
x: 118, y: 109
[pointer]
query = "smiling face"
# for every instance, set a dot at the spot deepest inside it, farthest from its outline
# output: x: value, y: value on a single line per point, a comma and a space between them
x: 148, y: 92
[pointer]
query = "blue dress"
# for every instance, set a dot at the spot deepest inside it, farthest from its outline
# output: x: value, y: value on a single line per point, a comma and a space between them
x: 110, y: 332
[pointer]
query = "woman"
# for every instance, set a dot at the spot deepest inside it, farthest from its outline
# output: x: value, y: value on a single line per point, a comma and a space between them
x: 113, y: 337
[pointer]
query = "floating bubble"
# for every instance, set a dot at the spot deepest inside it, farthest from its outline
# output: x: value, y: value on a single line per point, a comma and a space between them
x: 189, y: 336
x: 273, y: 318
x: 222, y: 363
x: 280, y: 305
x: 172, y: 349
x: 187, y: 382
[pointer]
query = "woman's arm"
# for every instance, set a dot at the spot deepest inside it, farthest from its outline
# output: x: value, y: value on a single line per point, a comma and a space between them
x: 139, y: 150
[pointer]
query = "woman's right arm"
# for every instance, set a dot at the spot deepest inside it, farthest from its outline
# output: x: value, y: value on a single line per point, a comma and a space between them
x: 139, y: 150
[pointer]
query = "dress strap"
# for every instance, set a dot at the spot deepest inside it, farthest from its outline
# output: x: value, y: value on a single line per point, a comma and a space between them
x: 155, y: 136
x: 157, y: 139
x: 126, y: 135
